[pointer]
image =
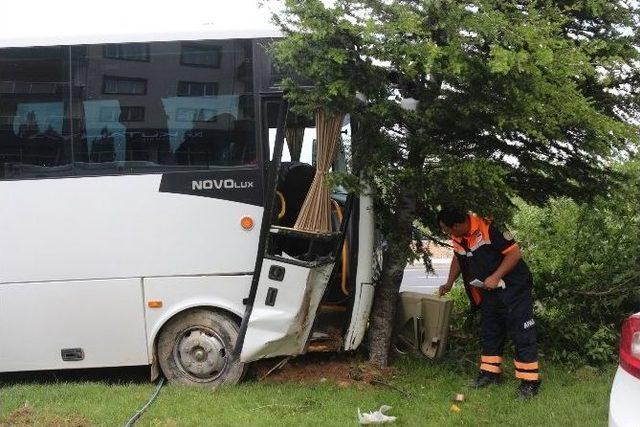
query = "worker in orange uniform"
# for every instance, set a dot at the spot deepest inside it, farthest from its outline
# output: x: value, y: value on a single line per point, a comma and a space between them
x: 499, y: 282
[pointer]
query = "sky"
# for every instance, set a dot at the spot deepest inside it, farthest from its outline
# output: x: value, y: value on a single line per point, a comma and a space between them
x: 37, y: 19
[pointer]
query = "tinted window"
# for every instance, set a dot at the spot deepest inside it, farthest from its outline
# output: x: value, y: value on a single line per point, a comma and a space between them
x: 163, y: 112
x: 34, y: 130
x: 86, y: 110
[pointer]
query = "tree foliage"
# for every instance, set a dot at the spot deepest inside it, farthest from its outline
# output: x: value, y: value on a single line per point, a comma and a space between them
x: 514, y: 98
x: 540, y: 82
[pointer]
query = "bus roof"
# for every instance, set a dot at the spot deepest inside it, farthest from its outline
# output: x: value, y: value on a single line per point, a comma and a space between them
x: 73, y: 22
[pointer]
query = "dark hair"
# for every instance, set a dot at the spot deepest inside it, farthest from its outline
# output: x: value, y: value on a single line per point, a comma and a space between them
x: 450, y: 215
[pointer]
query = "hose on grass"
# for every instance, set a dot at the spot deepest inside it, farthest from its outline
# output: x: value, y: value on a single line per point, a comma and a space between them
x: 142, y: 410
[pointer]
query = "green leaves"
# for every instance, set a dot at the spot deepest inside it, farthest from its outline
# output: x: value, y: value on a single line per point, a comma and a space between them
x: 502, y: 60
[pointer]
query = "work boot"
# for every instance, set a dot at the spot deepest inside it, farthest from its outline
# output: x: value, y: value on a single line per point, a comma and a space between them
x: 528, y: 389
x: 485, y: 379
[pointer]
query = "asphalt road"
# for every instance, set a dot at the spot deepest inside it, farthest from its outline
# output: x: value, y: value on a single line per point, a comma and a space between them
x: 416, y: 280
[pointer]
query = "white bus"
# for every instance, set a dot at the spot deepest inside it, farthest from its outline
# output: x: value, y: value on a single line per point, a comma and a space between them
x: 136, y: 213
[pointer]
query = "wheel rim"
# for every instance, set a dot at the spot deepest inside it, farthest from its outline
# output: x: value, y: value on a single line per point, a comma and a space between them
x: 201, y: 354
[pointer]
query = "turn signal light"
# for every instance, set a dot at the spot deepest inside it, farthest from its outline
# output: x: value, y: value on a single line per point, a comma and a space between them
x: 154, y: 304
x: 246, y: 223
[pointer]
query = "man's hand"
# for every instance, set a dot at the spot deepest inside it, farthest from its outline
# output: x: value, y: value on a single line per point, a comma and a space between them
x: 444, y: 289
x: 492, y: 282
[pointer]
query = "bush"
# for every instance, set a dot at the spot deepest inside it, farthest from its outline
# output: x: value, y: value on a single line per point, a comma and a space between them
x: 586, y: 265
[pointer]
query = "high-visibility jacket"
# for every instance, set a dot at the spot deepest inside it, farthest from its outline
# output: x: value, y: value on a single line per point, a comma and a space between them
x: 481, y: 252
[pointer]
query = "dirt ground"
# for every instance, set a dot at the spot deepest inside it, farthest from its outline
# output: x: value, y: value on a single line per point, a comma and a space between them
x: 342, y: 369
x: 24, y: 417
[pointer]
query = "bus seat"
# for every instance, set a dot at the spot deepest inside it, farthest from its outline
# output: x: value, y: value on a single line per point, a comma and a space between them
x: 294, y: 182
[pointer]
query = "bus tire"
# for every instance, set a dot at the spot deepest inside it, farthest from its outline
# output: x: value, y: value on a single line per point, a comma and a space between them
x: 196, y: 348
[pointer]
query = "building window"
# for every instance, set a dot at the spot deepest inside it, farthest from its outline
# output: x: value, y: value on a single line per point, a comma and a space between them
x: 30, y: 88
x: 196, y: 115
x: 121, y: 114
x: 197, y: 89
x: 124, y: 86
x: 127, y: 52
x: 131, y: 114
x: 201, y: 55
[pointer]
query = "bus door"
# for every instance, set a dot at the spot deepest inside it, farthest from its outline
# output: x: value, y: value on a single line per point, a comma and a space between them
x: 286, y: 290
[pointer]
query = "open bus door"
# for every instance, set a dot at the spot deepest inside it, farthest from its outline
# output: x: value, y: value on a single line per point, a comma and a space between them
x: 287, y: 290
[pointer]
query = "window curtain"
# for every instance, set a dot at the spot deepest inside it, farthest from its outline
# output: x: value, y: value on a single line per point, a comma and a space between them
x: 315, y: 214
x: 294, y: 137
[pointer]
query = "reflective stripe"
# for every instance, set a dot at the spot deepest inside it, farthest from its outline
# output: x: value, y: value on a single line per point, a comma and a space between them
x: 491, y: 359
x: 480, y: 243
x: 529, y: 376
x: 526, y: 366
x: 510, y: 248
x: 490, y: 368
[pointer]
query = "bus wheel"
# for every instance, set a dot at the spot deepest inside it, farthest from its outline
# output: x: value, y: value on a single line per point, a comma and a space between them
x: 196, y: 348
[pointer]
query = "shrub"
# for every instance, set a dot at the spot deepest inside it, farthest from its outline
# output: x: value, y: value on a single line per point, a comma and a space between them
x: 586, y: 265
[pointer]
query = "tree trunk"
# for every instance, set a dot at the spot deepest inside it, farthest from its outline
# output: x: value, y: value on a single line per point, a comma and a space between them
x: 383, y: 313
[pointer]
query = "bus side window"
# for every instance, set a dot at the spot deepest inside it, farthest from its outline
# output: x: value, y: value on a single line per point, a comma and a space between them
x: 126, y: 108
x: 34, y: 130
x: 164, y: 105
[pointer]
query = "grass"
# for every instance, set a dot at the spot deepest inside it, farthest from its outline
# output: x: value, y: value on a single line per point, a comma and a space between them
x: 567, y: 399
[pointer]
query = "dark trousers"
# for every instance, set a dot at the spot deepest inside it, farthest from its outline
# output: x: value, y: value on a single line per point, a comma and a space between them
x: 509, y: 313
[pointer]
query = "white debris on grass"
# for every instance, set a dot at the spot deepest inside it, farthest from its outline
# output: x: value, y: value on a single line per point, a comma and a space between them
x: 376, y: 417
